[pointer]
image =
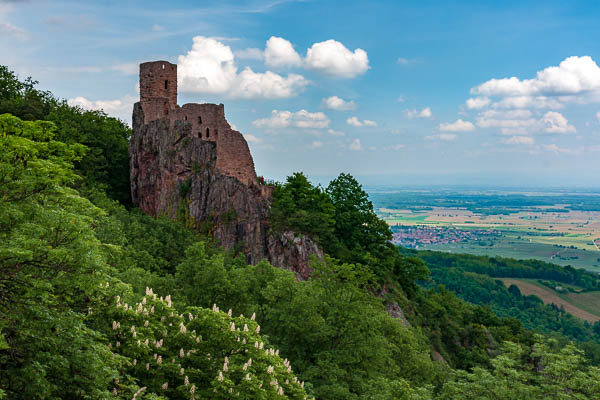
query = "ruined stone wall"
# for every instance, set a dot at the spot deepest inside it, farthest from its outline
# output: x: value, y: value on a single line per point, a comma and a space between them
x: 233, y: 157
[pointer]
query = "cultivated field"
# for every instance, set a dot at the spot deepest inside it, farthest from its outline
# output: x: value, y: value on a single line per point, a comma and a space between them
x: 581, y: 305
x: 552, y: 233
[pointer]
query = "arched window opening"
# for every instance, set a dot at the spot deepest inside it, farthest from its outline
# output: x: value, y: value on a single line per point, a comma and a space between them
x: 199, y: 119
x: 166, y: 85
x: 207, y: 133
x: 185, y: 117
x: 163, y: 66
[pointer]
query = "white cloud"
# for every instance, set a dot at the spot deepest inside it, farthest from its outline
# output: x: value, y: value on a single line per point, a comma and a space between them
x: 598, y: 116
x: 522, y: 122
x: 355, y: 145
x: 457, y: 126
x: 333, y: 58
x: 518, y: 140
x: 316, y: 144
x: 251, y: 53
x: 528, y: 102
x: 574, y: 79
x: 119, y: 108
x: 335, y: 133
x: 446, y: 137
x: 554, y: 122
x: 337, y: 103
x: 299, y: 119
x: 475, y: 103
x: 249, y: 137
x: 280, y: 53
x: 354, y: 121
x: 157, y: 28
x: 423, y: 113
x: 209, y: 67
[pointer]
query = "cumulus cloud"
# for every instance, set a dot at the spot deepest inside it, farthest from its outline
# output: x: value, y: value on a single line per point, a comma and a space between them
x: 554, y: 122
x: 528, y: 102
x: 316, y: 144
x: 354, y: 121
x: 209, y: 67
x: 299, y: 119
x: 575, y: 79
x: 446, y: 137
x: 119, y: 108
x: 423, y: 113
x: 355, y: 145
x: 457, y: 126
x: 280, y: 53
x: 519, y: 140
x: 522, y: 122
x: 337, y: 103
x: 475, y: 103
x: 334, y: 59
x: 335, y: 133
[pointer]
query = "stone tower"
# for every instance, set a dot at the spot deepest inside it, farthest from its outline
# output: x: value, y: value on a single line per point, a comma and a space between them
x: 158, y: 88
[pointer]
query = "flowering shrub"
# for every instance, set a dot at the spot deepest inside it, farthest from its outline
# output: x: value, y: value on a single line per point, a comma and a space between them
x: 200, y: 353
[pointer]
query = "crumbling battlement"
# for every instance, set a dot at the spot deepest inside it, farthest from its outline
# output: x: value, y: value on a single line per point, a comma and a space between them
x: 158, y: 99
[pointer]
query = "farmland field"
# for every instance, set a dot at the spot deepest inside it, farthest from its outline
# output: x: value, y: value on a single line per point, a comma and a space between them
x: 581, y: 305
x: 559, y: 227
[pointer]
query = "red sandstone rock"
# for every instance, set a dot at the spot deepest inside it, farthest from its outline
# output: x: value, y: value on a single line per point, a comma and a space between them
x: 186, y: 162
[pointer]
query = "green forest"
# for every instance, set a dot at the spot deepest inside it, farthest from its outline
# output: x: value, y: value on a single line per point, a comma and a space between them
x: 99, y: 301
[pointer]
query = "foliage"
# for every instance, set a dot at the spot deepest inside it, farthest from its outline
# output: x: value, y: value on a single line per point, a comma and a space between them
x: 303, y: 208
x: 339, y: 335
x: 511, y: 268
x: 106, y: 163
x: 51, y: 262
x: 452, y: 271
x: 200, y: 353
x: 550, y: 373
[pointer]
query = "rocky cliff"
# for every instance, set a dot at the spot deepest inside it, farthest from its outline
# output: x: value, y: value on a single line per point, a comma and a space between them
x: 208, y: 181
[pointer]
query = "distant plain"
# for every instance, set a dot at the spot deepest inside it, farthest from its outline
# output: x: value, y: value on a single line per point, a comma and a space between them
x: 562, y: 227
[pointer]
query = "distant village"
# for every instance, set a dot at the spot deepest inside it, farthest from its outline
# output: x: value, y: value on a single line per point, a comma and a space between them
x: 419, y: 235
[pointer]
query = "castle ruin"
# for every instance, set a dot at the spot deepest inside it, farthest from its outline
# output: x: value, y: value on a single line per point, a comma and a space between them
x: 187, y: 163
x: 158, y: 98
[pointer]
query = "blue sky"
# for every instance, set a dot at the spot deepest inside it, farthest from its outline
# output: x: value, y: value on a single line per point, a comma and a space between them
x: 479, y: 92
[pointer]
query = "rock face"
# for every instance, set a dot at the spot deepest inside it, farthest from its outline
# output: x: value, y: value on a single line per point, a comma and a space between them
x: 187, y: 163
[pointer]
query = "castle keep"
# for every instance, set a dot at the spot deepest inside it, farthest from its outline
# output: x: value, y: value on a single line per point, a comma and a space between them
x: 188, y: 164
x: 158, y: 99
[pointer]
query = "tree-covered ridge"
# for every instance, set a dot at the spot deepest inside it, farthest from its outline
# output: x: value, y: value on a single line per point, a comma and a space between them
x: 456, y: 273
x: 78, y: 318
x: 105, y: 163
